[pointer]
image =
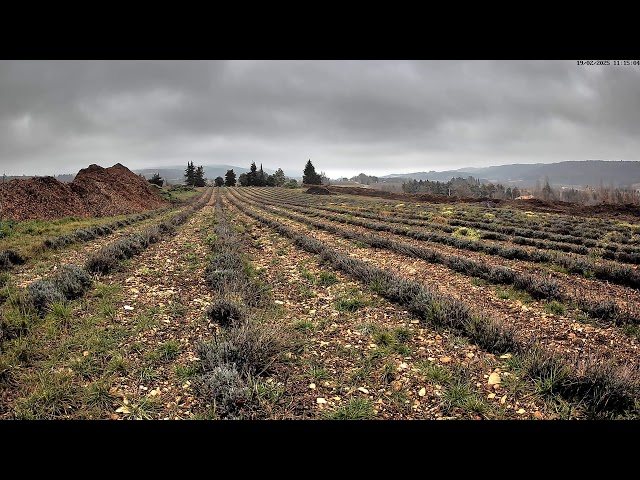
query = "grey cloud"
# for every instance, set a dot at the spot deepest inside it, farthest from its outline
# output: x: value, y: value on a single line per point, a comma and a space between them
x: 347, y: 115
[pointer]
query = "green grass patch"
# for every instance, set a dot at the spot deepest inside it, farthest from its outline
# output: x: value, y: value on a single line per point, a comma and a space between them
x: 304, y: 326
x: 555, y: 307
x: 306, y: 274
x: 98, y: 394
x: 142, y: 408
x: 556, y: 268
x: 458, y: 394
x: 511, y: 293
x: 327, y: 279
x: 55, y: 395
x: 318, y: 373
x: 178, y: 193
x: 169, y: 350
x: 360, y: 244
x: 186, y: 372
x: 147, y: 374
x: 435, y: 373
x: 306, y: 293
x: 354, y: 409
x: 479, y: 282
x: 631, y: 330
x: 351, y: 301
x: 145, y: 321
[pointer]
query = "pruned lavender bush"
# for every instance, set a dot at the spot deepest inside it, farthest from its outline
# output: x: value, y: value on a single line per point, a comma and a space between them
x: 606, y: 391
x: 43, y: 293
x: 9, y: 258
x: 225, y: 389
x: 72, y: 281
x: 224, y: 312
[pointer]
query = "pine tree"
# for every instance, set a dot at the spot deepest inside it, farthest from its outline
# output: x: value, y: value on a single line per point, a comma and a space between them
x: 261, y: 178
x: 189, y: 174
x: 230, y: 178
x: 547, y: 190
x: 198, y: 177
x: 156, y: 179
x: 252, y: 175
x: 278, y: 178
x: 309, y: 176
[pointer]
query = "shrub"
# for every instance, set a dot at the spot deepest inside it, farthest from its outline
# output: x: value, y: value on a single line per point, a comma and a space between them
x: 251, y: 347
x: 225, y: 389
x: 43, y: 293
x: 538, y: 287
x: 605, y: 388
x: 603, y: 310
x: 467, y: 232
x: 9, y: 258
x: 103, y: 261
x: 225, y: 261
x: 224, y: 312
x: 72, y: 281
x: 166, y: 228
x: 84, y: 235
x: 222, y: 280
x: 153, y: 234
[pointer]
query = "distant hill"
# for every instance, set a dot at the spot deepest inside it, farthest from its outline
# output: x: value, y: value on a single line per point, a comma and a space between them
x: 172, y: 174
x: 68, y: 177
x: 570, y: 173
x: 175, y: 174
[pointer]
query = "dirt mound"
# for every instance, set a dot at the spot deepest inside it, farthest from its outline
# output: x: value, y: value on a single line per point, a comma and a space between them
x: 113, y: 191
x: 39, y: 197
x: 316, y: 190
x: 94, y: 192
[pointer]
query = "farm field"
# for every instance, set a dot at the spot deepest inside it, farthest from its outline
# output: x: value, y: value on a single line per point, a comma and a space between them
x: 273, y: 303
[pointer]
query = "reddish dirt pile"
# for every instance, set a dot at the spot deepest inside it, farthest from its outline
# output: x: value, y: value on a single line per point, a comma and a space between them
x: 94, y: 192
x: 623, y: 212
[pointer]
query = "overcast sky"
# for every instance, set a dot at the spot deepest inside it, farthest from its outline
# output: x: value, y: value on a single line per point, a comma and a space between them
x: 348, y: 117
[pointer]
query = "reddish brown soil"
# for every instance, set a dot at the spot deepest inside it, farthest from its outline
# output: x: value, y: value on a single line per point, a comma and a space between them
x: 623, y: 211
x: 94, y: 192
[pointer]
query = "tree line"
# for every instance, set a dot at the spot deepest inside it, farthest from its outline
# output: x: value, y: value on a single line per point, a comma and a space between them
x: 194, y: 176
x: 471, y: 187
x: 259, y: 178
x: 462, y: 187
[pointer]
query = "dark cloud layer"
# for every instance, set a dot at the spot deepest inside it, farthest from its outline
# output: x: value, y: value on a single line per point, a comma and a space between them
x: 349, y: 117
